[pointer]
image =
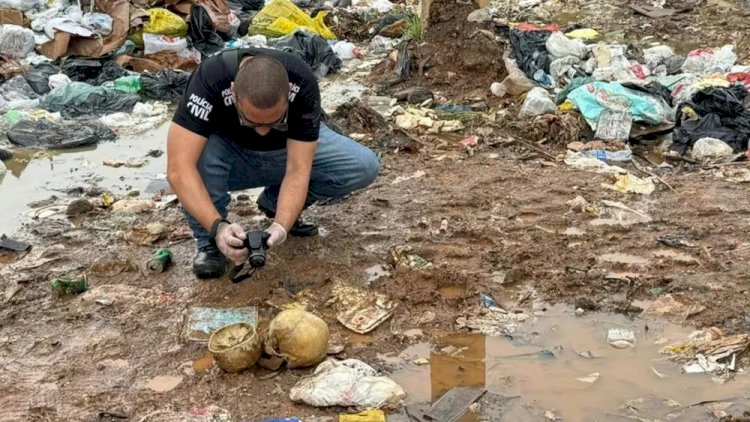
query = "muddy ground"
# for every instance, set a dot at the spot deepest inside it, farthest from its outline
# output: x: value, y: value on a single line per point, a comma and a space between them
x: 494, y: 219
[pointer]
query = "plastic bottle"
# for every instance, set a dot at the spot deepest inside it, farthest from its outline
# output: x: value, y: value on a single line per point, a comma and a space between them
x: 516, y: 83
x: 600, y: 154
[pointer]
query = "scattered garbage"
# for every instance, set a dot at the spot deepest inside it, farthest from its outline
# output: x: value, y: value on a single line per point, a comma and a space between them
x: 235, y: 347
x: 201, y: 32
x: 313, y: 49
x: 58, y: 135
x: 621, y: 338
x: 81, y: 99
x: 709, y: 350
x: 593, y: 98
x: 366, y: 416
x: 159, y: 261
x: 69, y: 286
x: 627, y: 183
x: 281, y: 17
x: 203, y: 321
x: 454, y: 404
x: 298, y: 337
x: 360, y: 310
x: 6, y: 243
x: 537, y: 102
x: 347, y: 383
x: 669, y: 306
x: 708, y: 148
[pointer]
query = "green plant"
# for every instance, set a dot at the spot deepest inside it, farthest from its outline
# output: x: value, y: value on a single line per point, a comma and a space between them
x: 413, y: 29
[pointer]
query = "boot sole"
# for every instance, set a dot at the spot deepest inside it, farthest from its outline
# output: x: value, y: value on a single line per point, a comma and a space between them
x: 204, y: 275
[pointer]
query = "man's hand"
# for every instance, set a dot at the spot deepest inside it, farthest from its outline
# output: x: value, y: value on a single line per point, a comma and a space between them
x: 229, y: 240
x: 278, y: 235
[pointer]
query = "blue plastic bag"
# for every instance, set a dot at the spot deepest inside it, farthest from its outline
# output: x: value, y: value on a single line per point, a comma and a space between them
x: 593, y: 98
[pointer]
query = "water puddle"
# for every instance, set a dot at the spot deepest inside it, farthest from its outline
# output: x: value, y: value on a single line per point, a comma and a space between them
x: 622, y: 258
x: 561, y: 363
x: 37, y: 175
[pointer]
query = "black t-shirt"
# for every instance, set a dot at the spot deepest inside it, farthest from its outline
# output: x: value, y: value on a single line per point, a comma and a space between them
x: 207, y: 106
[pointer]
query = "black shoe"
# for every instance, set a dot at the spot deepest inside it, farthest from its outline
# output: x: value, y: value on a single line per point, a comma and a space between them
x: 209, y: 263
x: 301, y: 227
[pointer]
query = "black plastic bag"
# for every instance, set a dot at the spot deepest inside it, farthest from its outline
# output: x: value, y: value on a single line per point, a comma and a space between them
x: 165, y: 85
x: 530, y: 51
x: 52, y: 135
x: 84, y: 100
x: 93, y: 72
x: 389, y: 20
x: 201, y: 34
x: 245, y: 5
x: 722, y: 115
x: 313, y: 49
x: 38, y: 77
x: 403, y: 65
x: 653, y: 88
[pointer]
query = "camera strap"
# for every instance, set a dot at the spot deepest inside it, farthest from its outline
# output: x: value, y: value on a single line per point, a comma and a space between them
x: 241, y: 273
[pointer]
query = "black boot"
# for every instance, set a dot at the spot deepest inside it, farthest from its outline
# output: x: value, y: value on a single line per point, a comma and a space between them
x: 209, y: 263
x: 301, y: 227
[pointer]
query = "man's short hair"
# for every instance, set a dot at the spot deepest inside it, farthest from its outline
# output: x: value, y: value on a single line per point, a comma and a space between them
x: 263, y: 81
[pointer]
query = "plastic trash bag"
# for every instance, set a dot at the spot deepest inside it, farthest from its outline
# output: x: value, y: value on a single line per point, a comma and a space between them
x: 93, y: 72
x: 58, y: 80
x: 537, y: 102
x: 15, y: 116
x: 345, y: 50
x: 22, y: 5
x: 347, y: 383
x: 516, y: 83
x: 530, y: 51
x: 79, y: 98
x: 658, y: 55
x: 282, y: 17
x: 708, y: 148
x: 593, y: 98
x: 245, y: 5
x: 125, y: 84
x: 53, y: 135
x: 16, y: 41
x: 163, y: 22
x: 313, y: 49
x: 16, y: 93
x: 144, y: 118
x: 563, y: 67
x: 167, y: 84
x: 201, y: 34
x: 38, y: 77
x: 710, y: 60
x: 154, y: 43
x: 558, y: 46
x: 99, y: 23
x: 717, y: 113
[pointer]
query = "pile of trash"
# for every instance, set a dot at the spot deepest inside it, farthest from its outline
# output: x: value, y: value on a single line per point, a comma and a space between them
x: 625, y: 93
x: 710, y: 351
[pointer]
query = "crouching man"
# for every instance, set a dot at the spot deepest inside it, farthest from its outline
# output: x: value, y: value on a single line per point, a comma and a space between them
x: 252, y: 118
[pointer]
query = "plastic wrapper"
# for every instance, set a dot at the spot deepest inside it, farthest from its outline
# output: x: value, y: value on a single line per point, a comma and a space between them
x: 558, y: 45
x: 537, y: 103
x: 58, y: 135
x: 593, y: 98
x: 282, y: 17
x: 78, y: 99
x: 143, y: 118
x: 99, y: 23
x: 201, y: 32
x: 658, y: 55
x: 530, y: 51
x: 345, y: 50
x: 15, y: 41
x: 163, y: 22
x: 562, y: 68
x: 708, y: 148
x: 15, y: 116
x: 167, y: 84
x: 16, y: 93
x: 313, y: 49
x: 154, y: 43
x: 58, y: 80
x: 347, y: 383
x: 38, y: 77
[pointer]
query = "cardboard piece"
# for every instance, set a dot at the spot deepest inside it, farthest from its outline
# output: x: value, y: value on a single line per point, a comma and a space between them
x: 56, y: 48
x: 11, y: 16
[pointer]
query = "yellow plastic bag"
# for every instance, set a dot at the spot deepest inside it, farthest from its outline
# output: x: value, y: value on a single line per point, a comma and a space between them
x: 282, y: 17
x: 163, y: 22
x: 366, y: 416
x: 583, y: 34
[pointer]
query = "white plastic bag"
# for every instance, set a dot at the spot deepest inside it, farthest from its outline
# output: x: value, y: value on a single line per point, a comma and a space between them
x: 707, y: 148
x: 347, y: 383
x: 16, y: 41
x: 656, y: 56
x: 99, y: 23
x: 58, y: 80
x: 154, y: 43
x: 22, y: 5
x: 561, y: 67
x: 344, y: 50
x: 516, y: 83
x: 558, y: 46
x: 537, y: 102
x: 710, y: 60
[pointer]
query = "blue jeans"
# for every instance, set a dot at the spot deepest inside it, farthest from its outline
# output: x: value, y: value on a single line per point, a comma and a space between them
x: 340, y: 167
